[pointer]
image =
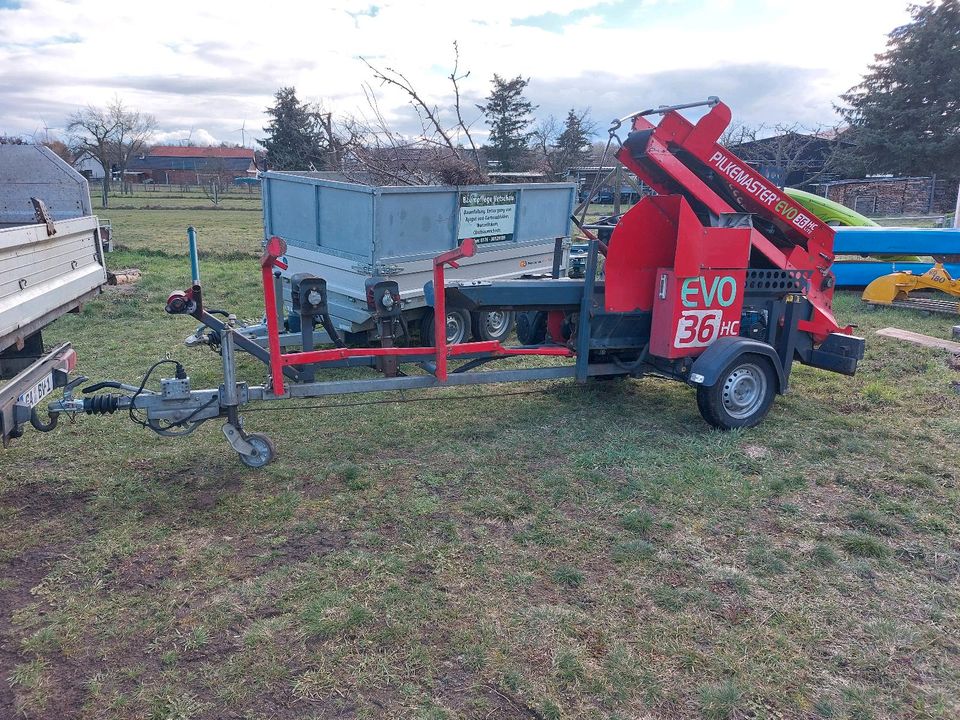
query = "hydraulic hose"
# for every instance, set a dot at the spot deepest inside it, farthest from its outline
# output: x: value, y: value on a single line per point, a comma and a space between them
x: 331, y: 329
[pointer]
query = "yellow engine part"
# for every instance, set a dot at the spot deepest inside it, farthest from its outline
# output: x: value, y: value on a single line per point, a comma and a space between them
x: 896, y: 287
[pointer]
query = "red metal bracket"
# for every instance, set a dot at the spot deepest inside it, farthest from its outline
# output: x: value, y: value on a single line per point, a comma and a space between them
x: 270, y: 259
x: 467, y: 249
x: 441, y: 351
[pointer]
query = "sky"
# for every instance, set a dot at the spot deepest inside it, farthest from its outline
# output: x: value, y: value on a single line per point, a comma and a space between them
x: 208, y: 69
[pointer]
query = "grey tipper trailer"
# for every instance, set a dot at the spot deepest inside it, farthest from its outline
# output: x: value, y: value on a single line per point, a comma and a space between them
x: 349, y: 233
x: 51, y: 261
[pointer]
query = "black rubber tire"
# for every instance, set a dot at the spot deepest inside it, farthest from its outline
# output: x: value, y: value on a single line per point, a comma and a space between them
x: 755, y: 377
x: 480, y: 325
x: 266, y: 451
x: 531, y: 328
x: 426, y: 328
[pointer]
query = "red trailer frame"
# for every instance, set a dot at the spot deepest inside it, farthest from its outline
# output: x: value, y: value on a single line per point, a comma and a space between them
x: 440, y: 353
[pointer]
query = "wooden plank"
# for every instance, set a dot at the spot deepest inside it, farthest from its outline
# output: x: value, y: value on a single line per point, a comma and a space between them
x: 920, y: 339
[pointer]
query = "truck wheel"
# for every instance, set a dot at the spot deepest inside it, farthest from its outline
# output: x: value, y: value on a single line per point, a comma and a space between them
x: 531, y: 328
x: 742, y: 395
x: 458, y: 325
x: 491, y: 325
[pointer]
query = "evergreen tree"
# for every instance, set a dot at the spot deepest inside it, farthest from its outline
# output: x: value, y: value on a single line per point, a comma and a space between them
x: 905, y: 114
x: 573, y: 144
x: 561, y: 147
x: 508, y: 116
x: 296, y: 137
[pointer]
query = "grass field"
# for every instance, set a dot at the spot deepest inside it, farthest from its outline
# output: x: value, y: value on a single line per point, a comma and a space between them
x: 577, y: 552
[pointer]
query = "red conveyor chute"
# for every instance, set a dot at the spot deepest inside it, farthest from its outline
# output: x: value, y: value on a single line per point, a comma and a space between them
x: 682, y: 159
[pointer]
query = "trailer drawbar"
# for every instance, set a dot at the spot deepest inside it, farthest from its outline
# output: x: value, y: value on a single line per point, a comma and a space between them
x: 719, y: 281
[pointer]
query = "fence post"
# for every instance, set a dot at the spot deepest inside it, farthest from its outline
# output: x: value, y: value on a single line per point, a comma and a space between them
x: 956, y: 210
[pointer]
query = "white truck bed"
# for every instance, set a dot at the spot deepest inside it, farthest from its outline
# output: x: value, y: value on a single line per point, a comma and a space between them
x: 42, y: 277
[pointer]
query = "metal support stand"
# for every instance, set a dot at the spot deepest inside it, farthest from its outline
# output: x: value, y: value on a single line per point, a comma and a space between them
x: 306, y: 342
x: 229, y: 398
x: 586, y: 311
x: 389, y: 365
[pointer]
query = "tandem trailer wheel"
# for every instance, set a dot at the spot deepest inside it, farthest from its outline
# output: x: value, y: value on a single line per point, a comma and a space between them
x: 458, y: 327
x: 742, y: 395
x: 491, y: 324
x: 264, y: 451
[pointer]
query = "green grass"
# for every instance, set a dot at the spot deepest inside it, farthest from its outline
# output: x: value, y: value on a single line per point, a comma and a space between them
x: 585, y: 552
x: 719, y: 701
x: 220, y: 233
x: 637, y: 521
x: 568, y: 576
x: 864, y: 545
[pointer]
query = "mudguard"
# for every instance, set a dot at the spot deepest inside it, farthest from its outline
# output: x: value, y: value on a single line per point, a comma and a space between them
x: 708, y: 366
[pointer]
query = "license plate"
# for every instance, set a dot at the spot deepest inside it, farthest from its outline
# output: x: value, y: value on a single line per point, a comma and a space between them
x: 38, y: 392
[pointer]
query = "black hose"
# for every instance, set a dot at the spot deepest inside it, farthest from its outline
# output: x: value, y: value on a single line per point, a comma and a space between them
x: 146, y: 377
x: 633, y: 365
x: 328, y: 325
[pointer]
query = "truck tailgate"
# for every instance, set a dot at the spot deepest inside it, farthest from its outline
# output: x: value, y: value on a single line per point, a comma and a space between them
x: 44, y: 277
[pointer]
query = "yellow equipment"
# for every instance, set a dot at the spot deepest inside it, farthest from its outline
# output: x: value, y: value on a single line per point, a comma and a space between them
x: 894, y: 290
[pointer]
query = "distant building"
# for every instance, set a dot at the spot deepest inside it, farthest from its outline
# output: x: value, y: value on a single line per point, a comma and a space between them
x: 525, y: 176
x: 879, y: 196
x: 588, y: 176
x: 89, y: 167
x: 178, y: 165
x: 790, y: 159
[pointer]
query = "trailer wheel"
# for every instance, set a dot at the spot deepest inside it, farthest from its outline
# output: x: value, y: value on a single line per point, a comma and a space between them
x: 264, y: 449
x: 742, y: 395
x: 531, y: 328
x: 491, y: 325
x: 458, y: 325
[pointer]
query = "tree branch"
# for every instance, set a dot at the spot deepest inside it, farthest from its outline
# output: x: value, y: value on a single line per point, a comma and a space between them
x: 404, y: 84
x: 456, y: 103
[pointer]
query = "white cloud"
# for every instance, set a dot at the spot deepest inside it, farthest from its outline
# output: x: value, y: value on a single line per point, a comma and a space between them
x: 215, y: 64
x: 195, y: 136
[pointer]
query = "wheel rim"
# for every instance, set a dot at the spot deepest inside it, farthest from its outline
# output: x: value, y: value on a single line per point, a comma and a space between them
x: 263, y: 453
x: 496, y: 322
x: 744, y: 391
x: 456, y: 328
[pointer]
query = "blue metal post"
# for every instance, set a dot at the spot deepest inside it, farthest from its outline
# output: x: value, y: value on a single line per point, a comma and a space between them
x: 194, y: 258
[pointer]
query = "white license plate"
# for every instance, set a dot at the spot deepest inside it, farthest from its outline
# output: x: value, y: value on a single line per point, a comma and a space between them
x: 38, y: 392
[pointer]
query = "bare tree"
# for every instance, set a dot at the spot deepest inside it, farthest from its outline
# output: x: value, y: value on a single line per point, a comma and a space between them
x: 544, y: 135
x: 92, y: 133
x: 376, y: 154
x: 454, y: 80
x: 737, y: 133
x: 60, y: 148
x: 333, y: 139
x: 559, y: 146
x: 111, y: 135
x: 435, y: 154
x: 782, y: 150
x: 133, y: 131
